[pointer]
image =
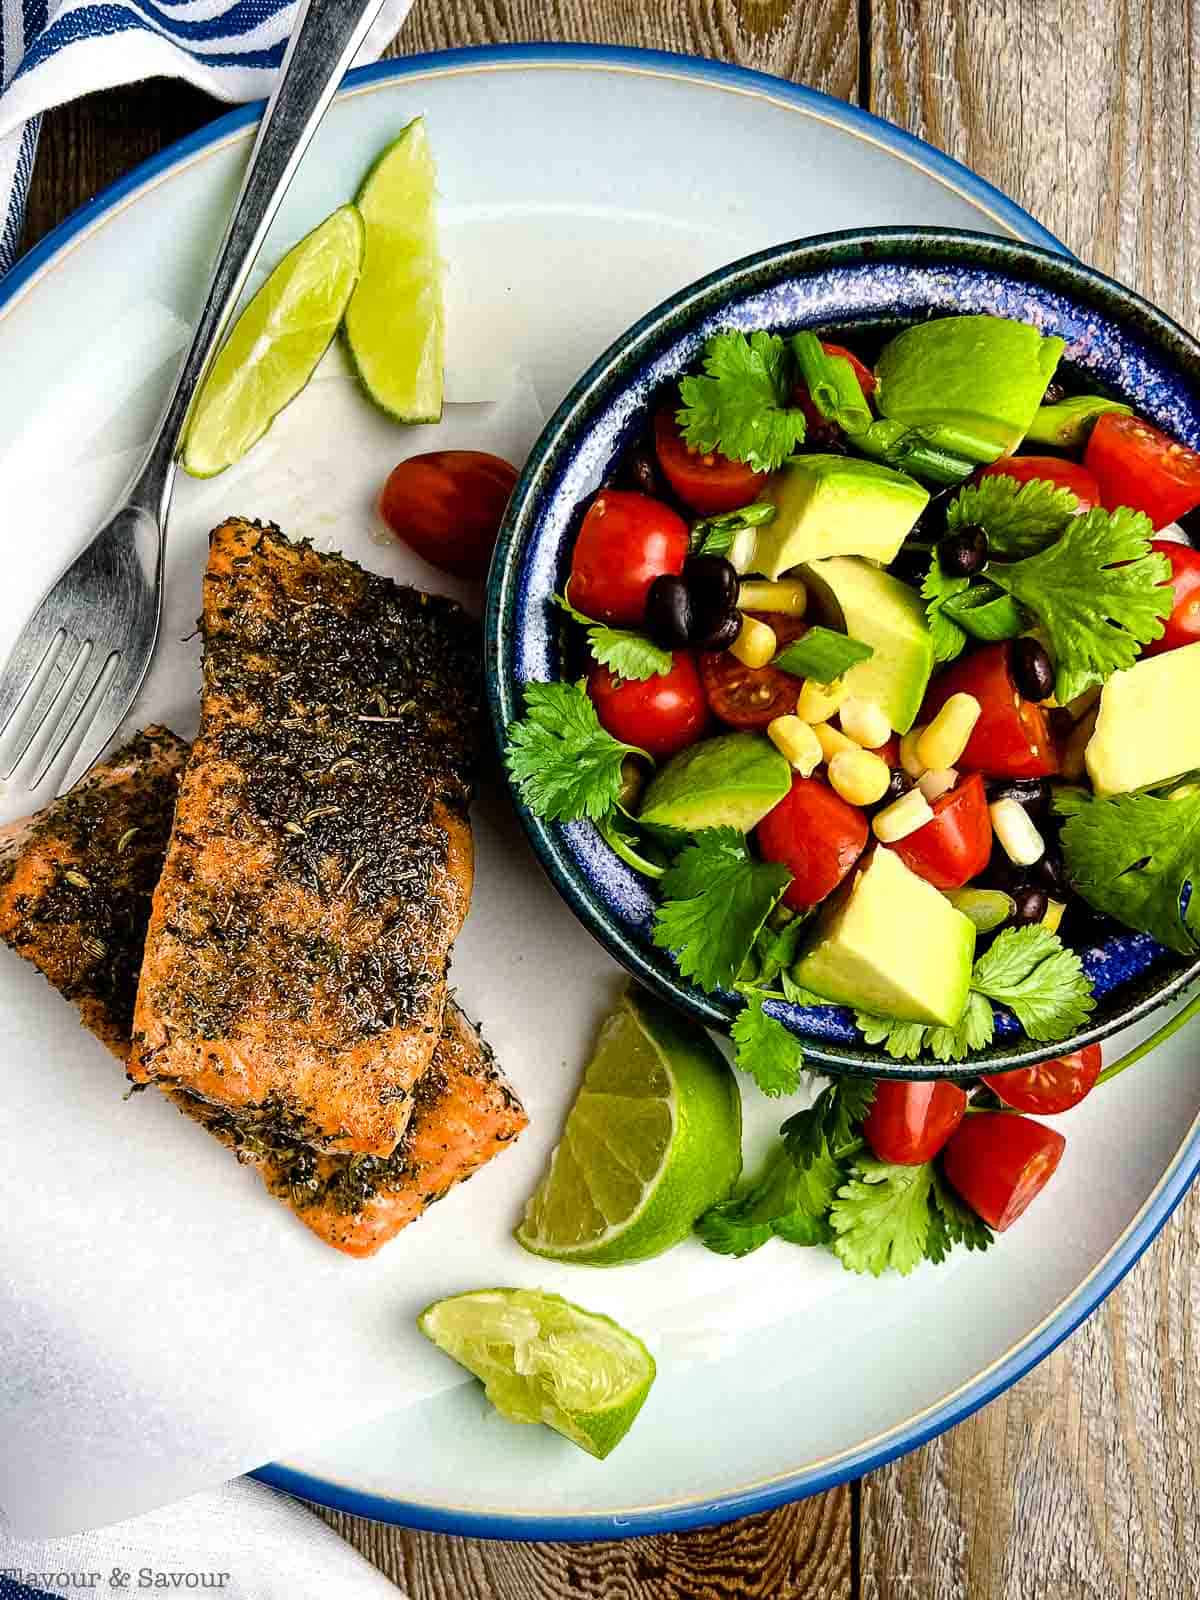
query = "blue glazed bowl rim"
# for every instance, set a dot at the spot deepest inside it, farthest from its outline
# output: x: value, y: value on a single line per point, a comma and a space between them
x: 605, y: 378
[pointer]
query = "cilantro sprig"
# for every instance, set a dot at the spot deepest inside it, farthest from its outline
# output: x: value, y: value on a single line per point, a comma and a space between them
x: 829, y: 1125
x: 566, y: 766
x: 625, y: 653
x: 716, y: 898
x: 1018, y: 518
x: 938, y: 590
x: 782, y: 1202
x: 741, y: 406
x: 766, y: 1050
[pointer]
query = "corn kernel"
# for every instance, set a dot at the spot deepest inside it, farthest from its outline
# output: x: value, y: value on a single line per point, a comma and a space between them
x: 832, y: 742
x: 817, y: 702
x: 1073, y: 765
x: 909, y: 759
x: 945, y: 739
x: 755, y: 644
x: 1015, y: 829
x: 789, y: 596
x: 1055, y: 910
x: 797, y: 743
x: 902, y: 817
x: 937, y: 782
x: 864, y: 722
x: 859, y: 776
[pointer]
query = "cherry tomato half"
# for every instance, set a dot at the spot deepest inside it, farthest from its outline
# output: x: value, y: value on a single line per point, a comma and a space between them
x: 709, y: 483
x: 1137, y: 465
x: 817, y: 835
x: 750, y: 697
x: 662, y: 715
x: 448, y: 506
x: 909, y: 1122
x: 998, y: 1163
x: 1012, y: 737
x: 1063, y: 474
x: 626, y: 541
x: 1051, y: 1086
x: 1183, y: 625
x: 957, y: 844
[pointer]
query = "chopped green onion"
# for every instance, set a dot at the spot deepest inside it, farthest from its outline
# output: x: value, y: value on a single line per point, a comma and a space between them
x: 713, y: 536
x: 988, y: 909
x: 822, y: 654
x: 986, y: 612
x: 625, y: 847
x: 833, y: 385
x: 1067, y: 424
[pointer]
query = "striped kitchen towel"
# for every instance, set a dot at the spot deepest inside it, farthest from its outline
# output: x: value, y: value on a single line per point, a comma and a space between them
x: 53, y: 50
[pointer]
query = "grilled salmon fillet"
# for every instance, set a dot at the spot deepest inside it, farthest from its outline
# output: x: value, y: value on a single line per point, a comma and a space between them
x: 76, y: 882
x: 320, y: 865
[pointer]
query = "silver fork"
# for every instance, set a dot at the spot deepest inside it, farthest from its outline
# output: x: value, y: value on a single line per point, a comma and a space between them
x: 82, y: 656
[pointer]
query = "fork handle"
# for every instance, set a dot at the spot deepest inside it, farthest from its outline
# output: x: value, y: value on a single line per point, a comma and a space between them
x: 326, y: 35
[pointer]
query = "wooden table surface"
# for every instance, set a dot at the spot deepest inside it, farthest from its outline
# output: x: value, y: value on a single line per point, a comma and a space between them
x: 1084, y: 1479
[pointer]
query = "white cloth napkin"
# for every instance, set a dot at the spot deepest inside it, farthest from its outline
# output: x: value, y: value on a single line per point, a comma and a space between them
x: 51, y: 51
x: 242, y: 1541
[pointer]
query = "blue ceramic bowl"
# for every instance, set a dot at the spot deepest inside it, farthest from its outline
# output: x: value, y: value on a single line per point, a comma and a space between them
x: 849, y: 286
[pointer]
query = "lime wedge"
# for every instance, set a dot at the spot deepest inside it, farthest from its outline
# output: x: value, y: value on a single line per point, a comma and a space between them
x: 275, y: 345
x: 654, y: 1138
x: 394, y: 320
x: 543, y: 1359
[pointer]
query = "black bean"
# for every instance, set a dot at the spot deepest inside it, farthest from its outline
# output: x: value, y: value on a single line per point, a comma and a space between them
x: 898, y: 784
x: 721, y: 633
x: 669, y: 612
x: 1052, y: 876
x: 638, y: 470
x: 1032, y: 793
x: 712, y: 584
x: 1030, y: 900
x: 1032, y: 672
x: 964, y: 553
x: 1054, y: 393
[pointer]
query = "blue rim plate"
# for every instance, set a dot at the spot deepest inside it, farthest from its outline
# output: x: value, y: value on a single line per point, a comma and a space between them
x: 1133, y: 1239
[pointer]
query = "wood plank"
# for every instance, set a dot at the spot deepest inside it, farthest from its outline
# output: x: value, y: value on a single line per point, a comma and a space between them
x: 1085, y: 1479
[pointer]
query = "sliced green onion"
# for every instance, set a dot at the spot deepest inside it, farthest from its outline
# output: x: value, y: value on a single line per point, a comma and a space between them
x: 988, y: 909
x: 713, y: 536
x: 986, y: 612
x: 822, y: 654
x: 833, y: 385
x: 1067, y: 424
x: 625, y: 847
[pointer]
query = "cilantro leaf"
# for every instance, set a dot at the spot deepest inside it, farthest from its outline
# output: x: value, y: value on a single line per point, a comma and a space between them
x: 797, y: 995
x: 716, y: 897
x: 625, y: 653
x: 775, y: 950
x: 822, y: 654
x: 713, y: 536
x: 904, y: 1041
x: 1041, y: 981
x: 936, y: 589
x: 1099, y: 592
x: 766, y: 1050
x: 830, y: 1123
x: 901, y: 1040
x: 1018, y: 518
x: 565, y: 764
x: 1132, y: 855
x: 781, y: 1202
x: 740, y: 407
x: 881, y: 1217
x: 952, y: 1222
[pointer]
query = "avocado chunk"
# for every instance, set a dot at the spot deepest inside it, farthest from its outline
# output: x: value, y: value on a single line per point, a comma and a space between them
x: 893, y: 946
x: 836, y: 505
x: 731, y: 781
x: 1147, y: 731
x: 888, y: 615
x: 972, y: 385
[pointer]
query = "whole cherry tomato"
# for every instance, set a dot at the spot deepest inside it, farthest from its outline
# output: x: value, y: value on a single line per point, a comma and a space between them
x: 626, y: 541
x: 817, y: 835
x: 910, y: 1121
x: 998, y: 1163
x: 1051, y: 1086
x: 1012, y: 737
x: 1062, y: 474
x: 1137, y: 465
x: 957, y: 844
x: 709, y: 483
x: 1183, y: 625
x: 448, y: 506
x: 662, y: 715
x: 750, y: 697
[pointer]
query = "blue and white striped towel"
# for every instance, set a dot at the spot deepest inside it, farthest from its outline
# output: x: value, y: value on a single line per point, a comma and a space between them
x: 53, y: 50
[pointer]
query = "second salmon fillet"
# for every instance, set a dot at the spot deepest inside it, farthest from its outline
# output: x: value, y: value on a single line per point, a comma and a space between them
x: 320, y: 864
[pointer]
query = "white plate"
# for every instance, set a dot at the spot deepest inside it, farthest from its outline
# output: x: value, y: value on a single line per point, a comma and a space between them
x: 579, y: 188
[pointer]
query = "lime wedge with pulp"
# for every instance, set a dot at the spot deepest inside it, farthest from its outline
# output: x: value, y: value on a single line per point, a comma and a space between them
x: 654, y: 1138
x: 543, y: 1359
x: 275, y: 345
x: 394, y: 320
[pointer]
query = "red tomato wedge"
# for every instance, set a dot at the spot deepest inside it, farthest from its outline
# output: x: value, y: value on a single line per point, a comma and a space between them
x: 1012, y: 738
x: 1183, y: 625
x: 626, y: 541
x: 750, y: 697
x: 957, y: 844
x: 817, y: 836
x: 910, y: 1121
x: 1050, y: 1087
x: 448, y: 505
x: 709, y: 483
x: 1062, y: 474
x: 662, y: 715
x: 998, y: 1163
x: 1137, y: 465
